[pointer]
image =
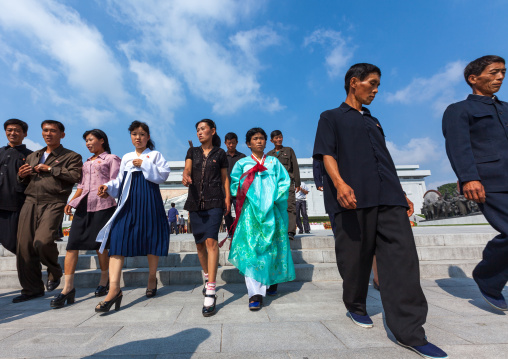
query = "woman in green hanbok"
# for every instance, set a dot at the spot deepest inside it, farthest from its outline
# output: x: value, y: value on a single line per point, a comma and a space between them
x: 260, y: 245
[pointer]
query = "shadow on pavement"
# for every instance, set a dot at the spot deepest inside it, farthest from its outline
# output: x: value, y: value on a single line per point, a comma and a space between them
x: 468, y: 290
x: 183, y: 343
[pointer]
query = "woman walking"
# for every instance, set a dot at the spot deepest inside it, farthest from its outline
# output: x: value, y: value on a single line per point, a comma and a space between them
x: 92, y: 213
x: 139, y: 226
x: 260, y: 245
x: 206, y: 176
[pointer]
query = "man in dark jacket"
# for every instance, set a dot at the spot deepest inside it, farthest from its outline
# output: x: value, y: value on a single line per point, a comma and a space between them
x: 287, y: 157
x: 12, y: 196
x: 50, y: 174
x: 476, y: 133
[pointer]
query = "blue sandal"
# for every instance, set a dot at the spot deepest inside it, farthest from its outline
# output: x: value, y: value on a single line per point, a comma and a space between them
x: 255, y: 302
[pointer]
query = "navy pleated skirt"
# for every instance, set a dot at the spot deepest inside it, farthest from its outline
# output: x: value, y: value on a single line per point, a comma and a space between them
x: 141, y: 227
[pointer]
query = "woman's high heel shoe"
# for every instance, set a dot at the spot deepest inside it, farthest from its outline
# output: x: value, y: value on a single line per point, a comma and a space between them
x: 152, y: 292
x: 210, y: 310
x: 105, y: 306
x: 102, y: 290
x: 59, y: 301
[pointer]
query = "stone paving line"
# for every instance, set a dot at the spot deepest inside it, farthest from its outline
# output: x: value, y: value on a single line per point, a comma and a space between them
x: 305, y: 321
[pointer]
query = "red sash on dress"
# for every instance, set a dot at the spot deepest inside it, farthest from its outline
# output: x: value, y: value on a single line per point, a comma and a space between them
x: 242, y: 193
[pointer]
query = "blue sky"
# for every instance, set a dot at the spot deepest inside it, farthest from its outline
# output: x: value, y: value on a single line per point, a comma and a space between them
x: 273, y: 64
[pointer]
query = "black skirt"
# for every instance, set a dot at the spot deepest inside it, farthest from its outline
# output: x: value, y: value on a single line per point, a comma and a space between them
x: 86, y: 226
x: 206, y: 224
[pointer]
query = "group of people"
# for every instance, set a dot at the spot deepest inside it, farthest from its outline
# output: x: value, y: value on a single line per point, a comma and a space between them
x: 363, y: 197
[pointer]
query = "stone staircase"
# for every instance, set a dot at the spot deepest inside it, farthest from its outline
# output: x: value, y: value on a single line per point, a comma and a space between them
x: 441, y: 255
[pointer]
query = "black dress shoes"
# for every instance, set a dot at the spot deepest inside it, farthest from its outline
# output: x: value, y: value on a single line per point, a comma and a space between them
x: 52, y: 285
x: 102, y: 290
x: 150, y: 293
x: 25, y: 297
x: 59, y: 301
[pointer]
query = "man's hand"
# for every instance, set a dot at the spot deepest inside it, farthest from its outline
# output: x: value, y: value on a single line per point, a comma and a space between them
x: 68, y: 210
x: 320, y: 189
x: 473, y: 190
x: 137, y: 162
x: 41, y: 168
x: 297, y: 189
x: 228, y: 206
x: 411, y: 209
x: 346, y: 196
x: 24, y: 170
x: 103, y: 191
x: 186, y: 180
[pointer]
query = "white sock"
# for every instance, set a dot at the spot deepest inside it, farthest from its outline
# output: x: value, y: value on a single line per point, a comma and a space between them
x: 205, y: 275
x: 210, y: 289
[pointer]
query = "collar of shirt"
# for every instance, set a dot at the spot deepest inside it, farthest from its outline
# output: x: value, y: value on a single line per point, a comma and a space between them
x: 236, y: 154
x: 485, y: 99
x: 19, y: 147
x: 102, y: 156
x: 345, y: 108
x: 55, y: 152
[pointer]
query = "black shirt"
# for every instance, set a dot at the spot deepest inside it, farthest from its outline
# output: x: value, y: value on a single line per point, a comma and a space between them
x: 206, y: 191
x: 357, y: 142
x: 232, y: 160
x: 12, y: 194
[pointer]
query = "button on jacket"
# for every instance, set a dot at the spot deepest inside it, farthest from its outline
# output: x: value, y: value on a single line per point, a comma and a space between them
x: 54, y: 186
x: 357, y: 142
x: 287, y: 157
x: 12, y: 194
x: 476, y: 133
x: 206, y: 191
x: 96, y: 173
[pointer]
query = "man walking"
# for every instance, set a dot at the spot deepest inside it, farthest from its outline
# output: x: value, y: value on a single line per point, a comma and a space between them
x: 287, y: 157
x: 370, y: 213
x: 301, y: 209
x: 173, y: 219
x: 476, y: 133
x: 231, y: 141
x: 50, y: 174
x: 12, y: 196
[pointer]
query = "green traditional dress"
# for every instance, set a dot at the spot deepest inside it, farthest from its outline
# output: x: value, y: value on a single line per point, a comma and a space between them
x: 260, y: 247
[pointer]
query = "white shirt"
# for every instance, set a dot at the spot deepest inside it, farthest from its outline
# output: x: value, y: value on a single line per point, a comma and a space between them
x: 44, y: 157
x: 300, y: 196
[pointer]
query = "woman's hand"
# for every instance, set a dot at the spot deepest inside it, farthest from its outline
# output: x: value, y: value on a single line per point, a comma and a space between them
x: 68, y: 210
x: 137, y: 162
x: 103, y: 191
x: 228, y: 206
x: 186, y: 180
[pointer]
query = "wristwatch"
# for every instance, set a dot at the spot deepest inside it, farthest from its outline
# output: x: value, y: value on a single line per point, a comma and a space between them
x: 49, y: 169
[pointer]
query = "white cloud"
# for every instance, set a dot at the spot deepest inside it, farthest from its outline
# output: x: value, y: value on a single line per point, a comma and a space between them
x: 416, y: 151
x: 32, y: 145
x: 183, y: 34
x: 340, y: 52
x: 438, y: 89
x: 251, y: 42
x: 96, y: 117
x: 79, y: 49
x: 161, y: 91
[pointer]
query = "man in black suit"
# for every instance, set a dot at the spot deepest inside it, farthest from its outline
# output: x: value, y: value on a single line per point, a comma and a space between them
x: 476, y: 133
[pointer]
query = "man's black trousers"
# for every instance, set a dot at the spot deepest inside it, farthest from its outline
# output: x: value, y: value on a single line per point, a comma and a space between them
x: 491, y: 273
x: 386, y: 232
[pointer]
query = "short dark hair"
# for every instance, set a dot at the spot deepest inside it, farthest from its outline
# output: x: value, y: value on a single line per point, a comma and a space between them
x: 172, y: 204
x: 58, y: 124
x: 275, y: 133
x: 360, y: 71
x: 15, y: 121
x: 231, y: 136
x: 252, y: 132
x: 477, y: 66
x: 100, y: 135
x: 137, y: 124
x: 215, y: 139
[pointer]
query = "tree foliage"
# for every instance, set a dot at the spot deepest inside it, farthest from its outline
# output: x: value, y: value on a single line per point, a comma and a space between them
x: 449, y: 188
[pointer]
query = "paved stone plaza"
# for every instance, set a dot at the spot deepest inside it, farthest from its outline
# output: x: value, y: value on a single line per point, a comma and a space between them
x: 305, y: 320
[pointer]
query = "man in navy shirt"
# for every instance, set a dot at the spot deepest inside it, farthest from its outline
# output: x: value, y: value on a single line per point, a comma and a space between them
x: 363, y: 192
x: 476, y: 133
x: 173, y: 218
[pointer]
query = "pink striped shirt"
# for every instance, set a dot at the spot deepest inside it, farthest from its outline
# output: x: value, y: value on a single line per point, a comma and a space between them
x: 96, y: 173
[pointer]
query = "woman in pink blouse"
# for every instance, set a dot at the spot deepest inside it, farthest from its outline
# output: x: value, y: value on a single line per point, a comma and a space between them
x: 92, y: 214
